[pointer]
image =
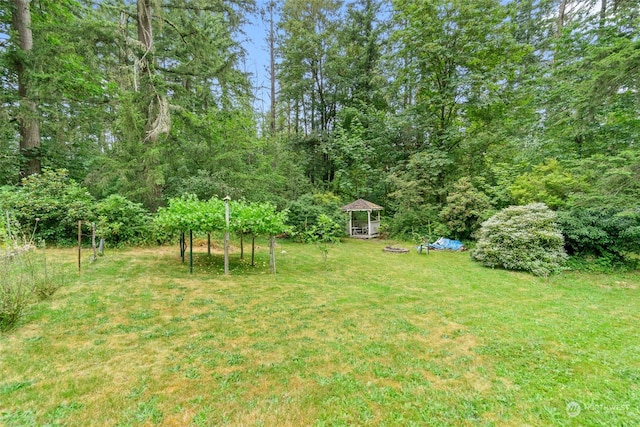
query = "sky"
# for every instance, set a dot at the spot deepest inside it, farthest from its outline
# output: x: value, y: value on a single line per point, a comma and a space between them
x: 257, y: 60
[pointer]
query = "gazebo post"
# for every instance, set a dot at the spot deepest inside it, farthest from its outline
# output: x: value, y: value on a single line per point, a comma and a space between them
x: 350, y: 223
x: 369, y: 223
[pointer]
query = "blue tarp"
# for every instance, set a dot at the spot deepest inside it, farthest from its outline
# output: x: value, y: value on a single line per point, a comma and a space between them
x: 448, y: 244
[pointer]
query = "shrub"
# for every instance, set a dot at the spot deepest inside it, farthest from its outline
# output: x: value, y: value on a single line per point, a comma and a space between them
x: 24, y: 273
x: 465, y: 209
x: 5, y: 238
x: 304, y: 213
x: 45, y: 279
x: 52, y: 201
x: 604, y: 233
x: 524, y: 238
x: 603, y: 264
x: 14, y: 298
x: 123, y: 222
x: 409, y: 222
x: 325, y: 230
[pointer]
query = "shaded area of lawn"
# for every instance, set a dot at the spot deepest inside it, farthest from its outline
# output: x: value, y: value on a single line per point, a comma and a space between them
x: 372, y: 339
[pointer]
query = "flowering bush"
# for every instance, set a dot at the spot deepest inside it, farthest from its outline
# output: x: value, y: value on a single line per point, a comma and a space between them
x: 524, y: 238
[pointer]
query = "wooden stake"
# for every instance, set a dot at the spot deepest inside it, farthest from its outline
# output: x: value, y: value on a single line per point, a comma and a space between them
x: 226, y: 252
x: 226, y: 234
x: 272, y: 253
x: 183, y: 246
x: 190, y: 251
x: 9, y: 226
x: 253, y: 250
x: 93, y: 241
x: 79, y: 243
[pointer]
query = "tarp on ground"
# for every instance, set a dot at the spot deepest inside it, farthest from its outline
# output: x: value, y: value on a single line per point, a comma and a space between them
x: 446, y: 244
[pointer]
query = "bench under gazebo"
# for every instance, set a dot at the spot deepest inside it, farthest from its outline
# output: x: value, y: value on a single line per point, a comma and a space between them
x: 359, y: 226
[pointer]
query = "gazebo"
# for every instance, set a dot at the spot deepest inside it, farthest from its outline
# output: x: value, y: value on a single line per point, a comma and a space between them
x: 358, y: 227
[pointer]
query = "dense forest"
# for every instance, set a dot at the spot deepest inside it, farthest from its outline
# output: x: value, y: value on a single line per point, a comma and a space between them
x: 442, y: 111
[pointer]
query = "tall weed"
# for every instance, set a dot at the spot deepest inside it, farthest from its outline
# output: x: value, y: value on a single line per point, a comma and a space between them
x: 25, y: 276
x: 14, y: 298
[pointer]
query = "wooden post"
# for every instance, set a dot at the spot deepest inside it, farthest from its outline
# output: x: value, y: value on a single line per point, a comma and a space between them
x: 226, y: 235
x: 209, y: 244
x: 241, y: 245
x: 79, y: 243
x: 190, y: 251
x: 183, y: 246
x: 253, y: 250
x: 101, y: 243
x: 272, y: 253
x: 9, y: 226
x: 93, y: 242
x: 351, y: 223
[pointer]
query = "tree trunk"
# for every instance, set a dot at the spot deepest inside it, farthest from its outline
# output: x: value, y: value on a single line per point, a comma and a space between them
x: 153, y: 104
x: 145, y: 33
x: 272, y: 70
x: 156, y: 110
x: 603, y: 13
x: 561, y: 17
x: 28, y: 116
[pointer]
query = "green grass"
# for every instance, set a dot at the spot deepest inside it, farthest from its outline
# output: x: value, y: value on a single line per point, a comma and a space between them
x: 373, y: 338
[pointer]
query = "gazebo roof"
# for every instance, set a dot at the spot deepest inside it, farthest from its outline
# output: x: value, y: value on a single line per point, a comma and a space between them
x: 361, y: 205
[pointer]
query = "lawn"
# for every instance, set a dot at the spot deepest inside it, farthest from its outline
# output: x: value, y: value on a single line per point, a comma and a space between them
x: 370, y: 338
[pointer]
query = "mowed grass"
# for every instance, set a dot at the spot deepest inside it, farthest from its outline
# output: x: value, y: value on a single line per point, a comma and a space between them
x: 372, y: 338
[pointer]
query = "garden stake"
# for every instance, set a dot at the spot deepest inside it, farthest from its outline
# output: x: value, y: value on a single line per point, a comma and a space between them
x: 182, y: 246
x: 226, y: 234
x: 79, y: 242
x: 93, y: 242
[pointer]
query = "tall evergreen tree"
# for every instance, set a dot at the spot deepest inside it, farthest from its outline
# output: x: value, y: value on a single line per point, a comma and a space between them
x: 28, y: 111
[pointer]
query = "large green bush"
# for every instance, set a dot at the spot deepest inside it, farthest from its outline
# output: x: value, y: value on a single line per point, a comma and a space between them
x: 417, y: 189
x: 524, y: 238
x: 123, y: 222
x: 465, y: 209
x: 606, y: 233
x: 48, y: 206
x: 408, y: 223
x: 50, y: 202
x: 306, y: 211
